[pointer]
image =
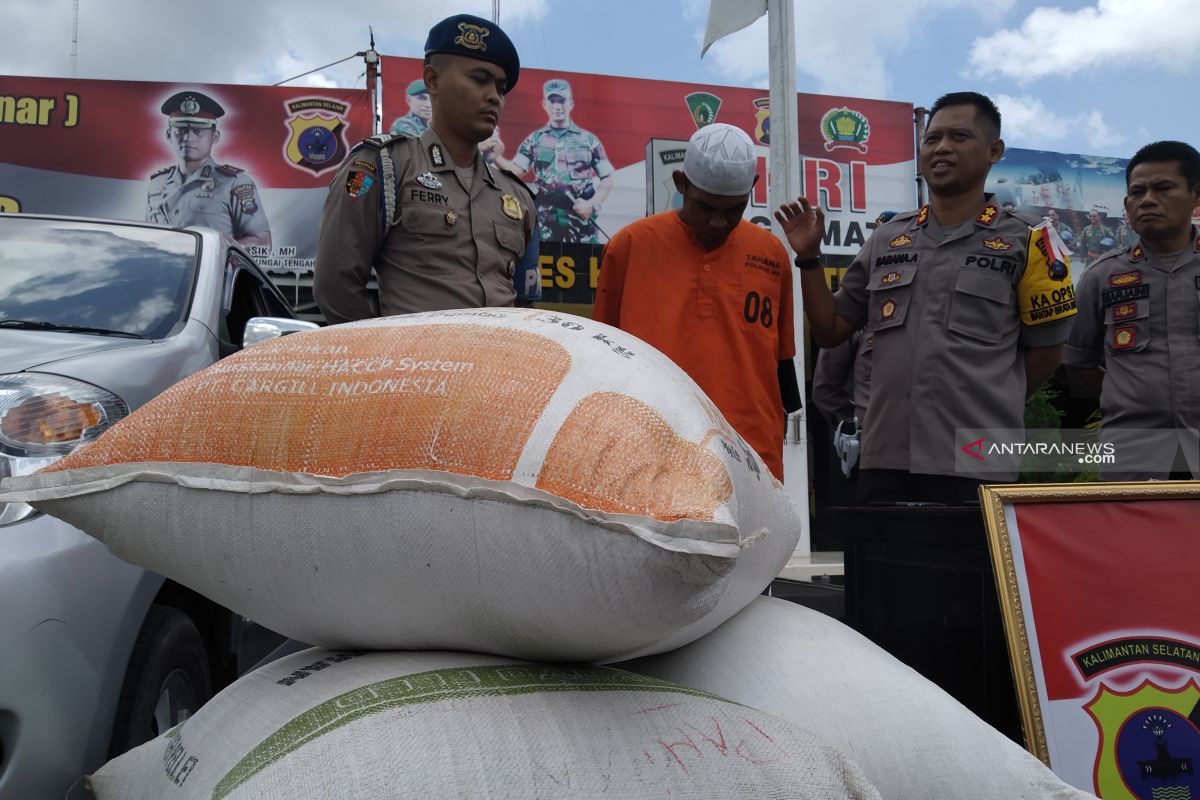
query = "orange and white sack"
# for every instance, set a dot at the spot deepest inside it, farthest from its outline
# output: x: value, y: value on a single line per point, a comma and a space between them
x: 346, y: 726
x: 510, y: 481
x: 912, y: 740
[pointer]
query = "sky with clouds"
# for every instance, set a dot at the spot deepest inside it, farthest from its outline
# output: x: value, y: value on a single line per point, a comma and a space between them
x: 1098, y: 77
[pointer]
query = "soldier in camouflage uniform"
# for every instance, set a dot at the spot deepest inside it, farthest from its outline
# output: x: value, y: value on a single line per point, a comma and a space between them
x: 573, y: 173
x: 1091, y: 239
x: 1125, y: 235
x: 420, y: 111
x: 198, y: 191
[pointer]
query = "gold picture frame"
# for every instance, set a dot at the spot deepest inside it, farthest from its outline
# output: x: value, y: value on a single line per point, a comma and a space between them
x: 1000, y: 505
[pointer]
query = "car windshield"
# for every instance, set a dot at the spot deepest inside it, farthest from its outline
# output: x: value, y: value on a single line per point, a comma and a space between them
x: 94, y: 277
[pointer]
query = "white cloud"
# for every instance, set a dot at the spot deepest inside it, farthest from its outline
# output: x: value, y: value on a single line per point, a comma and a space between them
x: 844, y: 46
x: 1054, y: 42
x: 1027, y: 122
x: 225, y: 41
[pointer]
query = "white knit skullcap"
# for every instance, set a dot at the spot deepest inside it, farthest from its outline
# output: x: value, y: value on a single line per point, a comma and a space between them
x: 720, y: 159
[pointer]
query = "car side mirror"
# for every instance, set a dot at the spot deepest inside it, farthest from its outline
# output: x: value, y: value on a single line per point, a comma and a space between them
x: 261, y: 329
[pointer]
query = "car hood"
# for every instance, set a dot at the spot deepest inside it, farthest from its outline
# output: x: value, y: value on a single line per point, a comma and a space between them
x: 22, y: 350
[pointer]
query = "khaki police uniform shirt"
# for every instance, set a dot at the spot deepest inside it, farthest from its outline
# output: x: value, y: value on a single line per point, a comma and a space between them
x: 950, y: 314
x: 220, y: 197
x: 1139, y: 317
x: 455, y: 244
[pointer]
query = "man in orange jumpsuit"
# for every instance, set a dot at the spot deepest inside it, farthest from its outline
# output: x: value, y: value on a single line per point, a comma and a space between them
x: 712, y: 291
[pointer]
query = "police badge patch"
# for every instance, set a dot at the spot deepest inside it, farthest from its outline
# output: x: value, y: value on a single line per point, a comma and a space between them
x: 245, y: 196
x: 358, y: 183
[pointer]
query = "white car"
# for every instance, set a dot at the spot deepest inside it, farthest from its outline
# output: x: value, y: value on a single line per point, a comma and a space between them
x: 96, y: 318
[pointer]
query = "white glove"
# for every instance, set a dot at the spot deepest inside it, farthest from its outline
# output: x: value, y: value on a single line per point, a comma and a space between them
x: 845, y: 444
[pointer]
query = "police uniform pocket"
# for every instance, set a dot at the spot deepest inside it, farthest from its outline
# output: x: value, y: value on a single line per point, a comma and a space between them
x: 1127, y: 326
x: 981, y: 307
x: 890, y: 291
x: 511, y: 237
x: 422, y: 221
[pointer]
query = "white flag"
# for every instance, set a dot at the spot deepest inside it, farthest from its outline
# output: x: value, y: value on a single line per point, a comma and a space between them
x: 729, y: 16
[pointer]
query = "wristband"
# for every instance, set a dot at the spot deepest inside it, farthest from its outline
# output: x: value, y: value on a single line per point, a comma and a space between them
x: 805, y: 264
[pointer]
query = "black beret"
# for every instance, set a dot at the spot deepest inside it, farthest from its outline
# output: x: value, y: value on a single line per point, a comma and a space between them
x: 474, y: 37
x: 194, y: 107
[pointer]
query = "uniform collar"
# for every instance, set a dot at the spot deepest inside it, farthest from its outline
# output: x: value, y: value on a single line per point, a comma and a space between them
x: 986, y: 218
x: 570, y: 127
x: 439, y: 158
x: 207, y: 171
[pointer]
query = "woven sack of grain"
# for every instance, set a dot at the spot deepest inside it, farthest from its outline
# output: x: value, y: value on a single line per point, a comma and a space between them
x: 510, y: 481
x: 345, y: 726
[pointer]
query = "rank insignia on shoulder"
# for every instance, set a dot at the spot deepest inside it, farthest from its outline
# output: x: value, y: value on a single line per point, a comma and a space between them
x: 229, y: 169
x: 1138, y: 253
x: 1124, y: 337
x: 161, y: 172
x: 903, y: 240
x: 988, y: 215
x: 382, y: 139
x: 888, y: 309
x: 512, y: 207
x: 206, y: 171
x: 1126, y: 278
x: 922, y: 216
x: 429, y: 180
x: 436, y: 155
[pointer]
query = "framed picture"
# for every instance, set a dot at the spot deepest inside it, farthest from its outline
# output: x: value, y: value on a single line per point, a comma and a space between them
x: 1099, y: 589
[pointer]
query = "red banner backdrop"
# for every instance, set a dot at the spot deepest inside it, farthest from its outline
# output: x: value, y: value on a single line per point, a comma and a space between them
x: 858, y: 154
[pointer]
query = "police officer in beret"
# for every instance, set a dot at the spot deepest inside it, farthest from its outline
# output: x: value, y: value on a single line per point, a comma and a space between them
x: 420, y: 110
x: 197, y: 190
x: 441, y: 227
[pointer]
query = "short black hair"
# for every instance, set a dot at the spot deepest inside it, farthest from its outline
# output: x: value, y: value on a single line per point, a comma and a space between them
x: 1156, y: 152
x: 984, y: 107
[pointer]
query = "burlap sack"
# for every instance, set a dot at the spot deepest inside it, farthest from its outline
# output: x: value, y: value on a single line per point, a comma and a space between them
x: 509, y: 481
x: 346, y: 726
x: 913, y: 741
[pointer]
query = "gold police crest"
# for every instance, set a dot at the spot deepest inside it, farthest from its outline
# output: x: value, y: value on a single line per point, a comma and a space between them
x: 471, y: 36
x: 511, y: 207
x: 762, y: 120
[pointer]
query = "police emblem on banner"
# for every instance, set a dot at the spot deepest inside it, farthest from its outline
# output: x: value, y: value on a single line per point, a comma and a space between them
x: 316, y: 128
x: 1149, y: 742
x: 845, y: 127
x: 703, y: 107
x: 762, y: 120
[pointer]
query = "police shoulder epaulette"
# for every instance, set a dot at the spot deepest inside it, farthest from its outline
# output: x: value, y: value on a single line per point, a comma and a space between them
x: 902, y: 215
x: 162, y: 171
x: 229, y: 169
x: 516, y: 179
x: 381, y: 140
x: 1029, y: 219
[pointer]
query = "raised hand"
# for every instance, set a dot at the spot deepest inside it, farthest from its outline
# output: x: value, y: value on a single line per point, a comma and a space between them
x: 803, y: 225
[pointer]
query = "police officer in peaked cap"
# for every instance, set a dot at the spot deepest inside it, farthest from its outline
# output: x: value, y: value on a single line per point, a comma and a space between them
x: 440, y: 227
x: 197, y: 190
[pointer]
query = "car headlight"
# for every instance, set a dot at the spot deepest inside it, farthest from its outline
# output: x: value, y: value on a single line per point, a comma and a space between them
x: 45, y: 417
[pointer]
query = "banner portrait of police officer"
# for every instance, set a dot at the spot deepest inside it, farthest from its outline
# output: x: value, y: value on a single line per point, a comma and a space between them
x: 196, y: 190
